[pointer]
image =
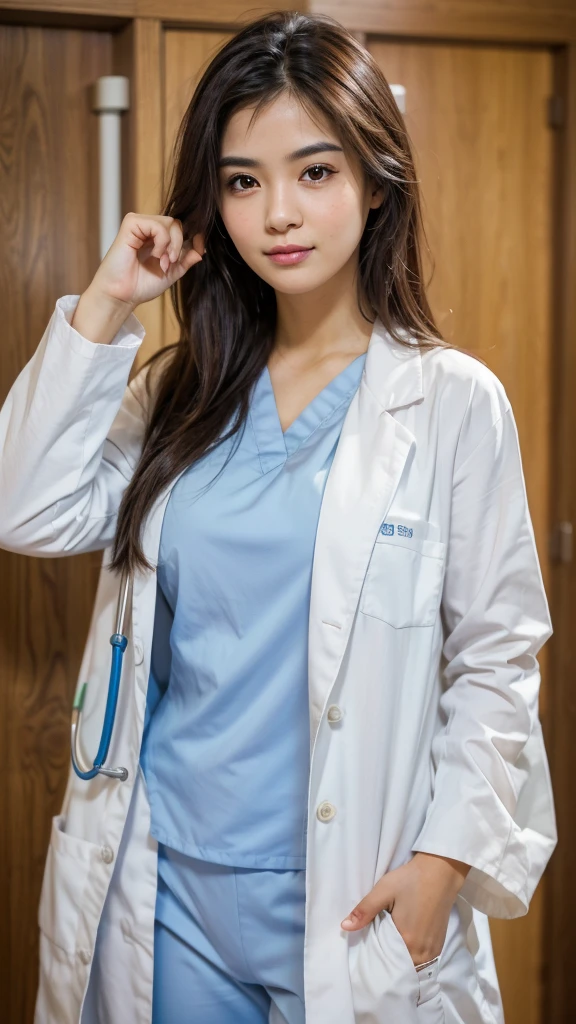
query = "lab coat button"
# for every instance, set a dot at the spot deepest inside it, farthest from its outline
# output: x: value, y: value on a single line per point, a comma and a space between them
x: 326, y: 811
x: 334, y: 713
x: 85, y: 956
x: 107, y: 854
x: 138, y: 652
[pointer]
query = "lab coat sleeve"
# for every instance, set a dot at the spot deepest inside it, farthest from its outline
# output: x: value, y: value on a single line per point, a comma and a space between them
x: 71, y: 431
x: 492, y: 804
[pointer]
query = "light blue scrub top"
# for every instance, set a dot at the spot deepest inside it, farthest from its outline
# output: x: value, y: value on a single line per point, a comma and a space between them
x: 226, y: 744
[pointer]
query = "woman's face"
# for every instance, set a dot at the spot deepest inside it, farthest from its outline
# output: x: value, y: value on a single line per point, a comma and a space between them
x: 285, y: 181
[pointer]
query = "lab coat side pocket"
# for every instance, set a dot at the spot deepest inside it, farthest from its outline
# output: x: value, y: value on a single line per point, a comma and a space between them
x: 383, y: 979
x: 66, y: 880
x: 430, y: 1008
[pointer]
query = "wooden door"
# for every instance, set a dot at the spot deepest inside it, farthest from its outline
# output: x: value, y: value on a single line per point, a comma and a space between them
x: 48, y: 227
x: 477, y: 119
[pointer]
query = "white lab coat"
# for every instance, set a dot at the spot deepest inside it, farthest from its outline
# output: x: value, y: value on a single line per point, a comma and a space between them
x: 426, y: 643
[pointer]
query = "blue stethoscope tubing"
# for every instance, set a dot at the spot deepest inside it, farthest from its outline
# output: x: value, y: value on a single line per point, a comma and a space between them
x: 119, y: 642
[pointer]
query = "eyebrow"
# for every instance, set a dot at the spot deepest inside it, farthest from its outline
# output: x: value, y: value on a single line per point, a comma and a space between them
x: 298, y: 154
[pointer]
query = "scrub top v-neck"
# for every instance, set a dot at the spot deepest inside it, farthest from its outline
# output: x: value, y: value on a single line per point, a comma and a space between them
x: 227, y: 736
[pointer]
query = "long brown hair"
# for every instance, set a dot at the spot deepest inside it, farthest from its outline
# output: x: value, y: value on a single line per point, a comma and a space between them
x: 226, y: 313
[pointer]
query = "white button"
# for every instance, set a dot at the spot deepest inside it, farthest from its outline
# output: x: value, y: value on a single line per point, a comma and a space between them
x: 334, y: 713
x: 138, y: 652
x: 85, y: 956
x: 326, y: 811
x: 107, y: 854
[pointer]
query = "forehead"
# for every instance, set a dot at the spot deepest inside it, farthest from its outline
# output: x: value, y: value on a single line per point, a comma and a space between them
x: 281, y: 124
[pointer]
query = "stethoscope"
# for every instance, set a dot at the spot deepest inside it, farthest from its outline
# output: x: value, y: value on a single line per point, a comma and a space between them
x: 119, y: 642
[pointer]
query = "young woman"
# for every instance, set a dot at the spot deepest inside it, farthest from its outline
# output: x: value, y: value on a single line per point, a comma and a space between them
x: 329, y: 701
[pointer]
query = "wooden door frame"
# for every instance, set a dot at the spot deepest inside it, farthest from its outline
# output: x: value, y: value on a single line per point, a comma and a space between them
x: 560, y: 727
x: 139, y: 25
x: 519, y: 21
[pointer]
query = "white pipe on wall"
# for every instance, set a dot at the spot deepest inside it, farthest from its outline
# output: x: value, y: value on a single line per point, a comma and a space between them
x: 110, y: 100
x: 399, y: 94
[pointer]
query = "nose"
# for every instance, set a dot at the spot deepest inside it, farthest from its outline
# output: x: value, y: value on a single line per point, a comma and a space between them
x: 283, y: 210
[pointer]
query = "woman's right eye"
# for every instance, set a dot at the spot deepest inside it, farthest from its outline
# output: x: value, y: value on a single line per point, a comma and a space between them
x: 241, y: 183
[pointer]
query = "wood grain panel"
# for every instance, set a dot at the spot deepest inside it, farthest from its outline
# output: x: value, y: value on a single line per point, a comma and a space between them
x: 186, y: 55
x: 121, y: 8
x: 477, y: 119
x: 517, y: 21
x: 201, y: 12
x: 560, y: 921
x: 212, y: 12
x: 48, y: 223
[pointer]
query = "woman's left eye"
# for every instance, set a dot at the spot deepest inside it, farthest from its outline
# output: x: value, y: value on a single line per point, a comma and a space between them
x: 317, y: 172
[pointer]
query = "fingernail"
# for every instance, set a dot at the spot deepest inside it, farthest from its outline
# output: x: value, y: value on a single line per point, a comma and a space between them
x: 347, y: 922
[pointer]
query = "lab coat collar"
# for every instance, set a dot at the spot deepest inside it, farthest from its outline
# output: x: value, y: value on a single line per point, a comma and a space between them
x: 393, y: 372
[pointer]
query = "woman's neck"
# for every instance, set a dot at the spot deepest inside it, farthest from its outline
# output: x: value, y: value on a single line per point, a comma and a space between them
x: 318, y: 324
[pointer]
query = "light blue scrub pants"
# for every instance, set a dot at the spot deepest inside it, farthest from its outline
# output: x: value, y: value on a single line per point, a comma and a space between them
x: 228, y: 943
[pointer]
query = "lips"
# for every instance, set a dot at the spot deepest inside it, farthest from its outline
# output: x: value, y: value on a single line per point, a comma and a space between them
x: 288, y: 248
x: 288, y: 255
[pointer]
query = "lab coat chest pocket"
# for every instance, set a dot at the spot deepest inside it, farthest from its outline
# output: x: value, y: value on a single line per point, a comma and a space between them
x: 403, y: 585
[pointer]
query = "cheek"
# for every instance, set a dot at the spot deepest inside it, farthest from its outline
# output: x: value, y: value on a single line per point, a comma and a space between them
x: 239, y: 216
x: 340, y: 218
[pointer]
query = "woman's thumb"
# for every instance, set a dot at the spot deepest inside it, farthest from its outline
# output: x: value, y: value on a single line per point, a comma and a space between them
x: 364, y: 912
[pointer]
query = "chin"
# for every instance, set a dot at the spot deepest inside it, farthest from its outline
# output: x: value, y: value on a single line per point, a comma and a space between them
x: 295, y: 280
x: 284, y: 288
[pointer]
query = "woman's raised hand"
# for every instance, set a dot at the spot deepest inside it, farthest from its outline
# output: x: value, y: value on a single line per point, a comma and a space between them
x: 147, y: 256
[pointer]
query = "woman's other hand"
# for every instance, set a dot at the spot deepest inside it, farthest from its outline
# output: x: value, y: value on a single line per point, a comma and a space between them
x: 419, y: 895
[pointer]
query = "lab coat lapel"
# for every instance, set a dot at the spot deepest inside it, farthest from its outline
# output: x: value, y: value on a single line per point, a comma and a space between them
x: 145, y: 582
x: 370, y: 458
x: 151, y: 535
